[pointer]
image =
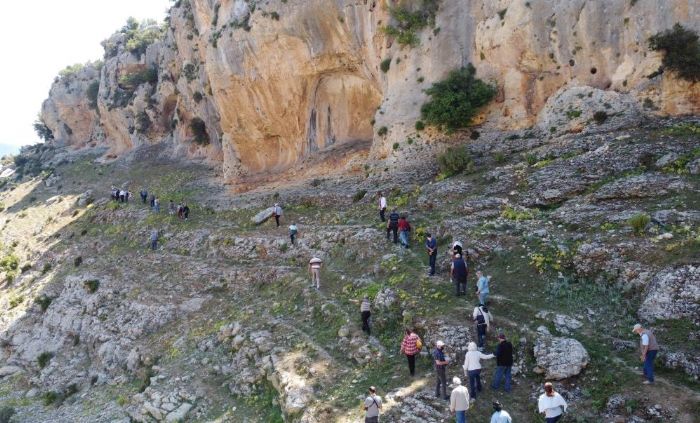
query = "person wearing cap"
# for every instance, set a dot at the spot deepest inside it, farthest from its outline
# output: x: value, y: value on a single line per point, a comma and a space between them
x: 431, y: 246
x: 499, y: 415
x: 504, y: 363
x: 472, y: 367
x: 459, y: 400
x: 366, y: 314
x: 551, y: 404
x: 459, y: 272
x: 440, y: 370
x: 277, y: 214
x: 315, y: 271
x: 649, y: 348
x: 373, y: 404
x: 409, y: 347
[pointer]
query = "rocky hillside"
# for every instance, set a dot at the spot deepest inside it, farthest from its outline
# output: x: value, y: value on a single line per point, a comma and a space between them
x: 309, y: 87
x: 583, y: 234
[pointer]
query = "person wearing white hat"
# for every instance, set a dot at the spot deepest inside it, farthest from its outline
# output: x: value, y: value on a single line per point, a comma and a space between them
x: 440, y: 370
x: 277, y: 214
x: 649, y: 348
x: 315, y: 271
x: 459, y: 400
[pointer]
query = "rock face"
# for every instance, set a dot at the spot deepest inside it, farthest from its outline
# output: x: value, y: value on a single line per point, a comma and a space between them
x: 673, y: 294
x: 559, y: 358
x: 297, y: 83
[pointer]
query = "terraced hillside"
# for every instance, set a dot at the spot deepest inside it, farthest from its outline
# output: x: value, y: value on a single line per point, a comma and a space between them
x: 583, y: 235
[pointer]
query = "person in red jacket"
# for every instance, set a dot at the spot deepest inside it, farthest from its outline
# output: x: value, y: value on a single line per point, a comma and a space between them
x: 404, y: 231
x: 409, y: 347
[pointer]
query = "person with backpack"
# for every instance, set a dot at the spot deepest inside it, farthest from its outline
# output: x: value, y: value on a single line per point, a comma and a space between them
x: 315, y: 271
x: 499, y: 414
x: 392, y: 226
x: 382, y: 206
x: 372, y: 406
x: 551, y: 404
x: 459, y: 400
x: 144, y: 195
x: 459, y: 273
x: 431, y: 246
x: 441, y: 363
x: 482, y: 287
x: 457, y: 248
x: 404, y: 231
x: 410, y: 347
x: 504, y: 363
x: 472, y: 368
x: 277, y: 214
x: 366, y: 314
x: 649, y: 348
x: 482, y: 318
x: 293, y: 232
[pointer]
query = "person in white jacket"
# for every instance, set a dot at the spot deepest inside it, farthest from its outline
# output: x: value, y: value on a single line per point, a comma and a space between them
x: 551, y: 404
x: 472, y: 368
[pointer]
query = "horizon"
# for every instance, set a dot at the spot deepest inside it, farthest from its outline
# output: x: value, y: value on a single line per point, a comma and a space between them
x: 69, y: 32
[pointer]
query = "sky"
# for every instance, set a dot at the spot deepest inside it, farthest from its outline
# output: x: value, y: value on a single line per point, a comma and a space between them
x: 39, y: 38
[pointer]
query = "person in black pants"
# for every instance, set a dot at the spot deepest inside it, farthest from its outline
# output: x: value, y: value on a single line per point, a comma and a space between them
x: 431, y: 246
x: 459, y: 275
x: 393, y: 226
x: 366, y: 314
x: 440, y: 371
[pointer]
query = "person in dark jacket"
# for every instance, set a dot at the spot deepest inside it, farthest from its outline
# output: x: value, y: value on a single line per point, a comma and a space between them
x: 431, y: 247
x: 393, y: 226
x: 185, y: 211
x: 144, y: 195
x: 504, y: 363
x: 459, y: 274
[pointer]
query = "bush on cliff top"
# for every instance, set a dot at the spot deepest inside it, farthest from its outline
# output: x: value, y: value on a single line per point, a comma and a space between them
x: 409, y: 22
x: 139, y: 35
x: 682, y: 51
x: 456, y: 100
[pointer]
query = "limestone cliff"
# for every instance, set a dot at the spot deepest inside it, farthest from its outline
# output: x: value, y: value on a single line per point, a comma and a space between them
x: 266, y: 87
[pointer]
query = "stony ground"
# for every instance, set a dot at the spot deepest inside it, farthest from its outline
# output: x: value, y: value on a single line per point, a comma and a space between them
x: 220, y: 323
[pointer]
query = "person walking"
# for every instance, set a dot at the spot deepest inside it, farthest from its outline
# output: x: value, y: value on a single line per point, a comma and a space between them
x: 122, y: 196
x: 144, y: 195
x: 393, y: 226
x: 459, y: 272
x: 373, y: 405
x: 404, y: 231
x: 482, y: 287
x: 504, y: 363
x: 293, y: 232
x: 551, y: 404
x: 277, y: 214
x: 366, y: 314
x: 499, y: 415
x: 459, y: 400
x: 457, y: 248
x: 482, y: 318
x: 648, y: 348
x: 152, y: 201
x: 440, y: 370
x: 172, y: 209
x: 156, y: 205
x: 431, y: 246
x: 410, y: 347
x: 185, y: 211
x: 472, y: 368
x: 315, y: 271
x: 154, y: 239
x: 382, y: 206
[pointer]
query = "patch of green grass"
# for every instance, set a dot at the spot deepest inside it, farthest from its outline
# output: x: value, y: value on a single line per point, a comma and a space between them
x: 639, y: 222
x: 91, y: 285
x: 512, y: 213
x: 43, y: 301
x: 44, y: 358
x: 15, y: 301
x: 573, y: 114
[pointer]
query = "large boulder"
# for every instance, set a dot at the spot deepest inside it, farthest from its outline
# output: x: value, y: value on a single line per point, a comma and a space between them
x: 559, y: 358
x: 673, y: 294
x: 263, y: 215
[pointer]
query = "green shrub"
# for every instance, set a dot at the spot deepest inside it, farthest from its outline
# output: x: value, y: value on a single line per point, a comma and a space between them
x: 573, y: 114
x: 42, y: 131
x: 531, y: 159
x: 131, y: 81
x: 409, y: 23
x: 43, y: 359
x: 52, y: 397
x: 139, y: 35
x: 199, y: 131
x: 639, y: 222
x: 382, y: 131
x: 395, y: 146
x: 197, y: 97
x: 143, y: 122
x: 190, y: 72
x: 46, y: 268
x: 456, y: 100
x: 71, y: 70
x: 9, y: 262
x: 91, y: 285
x: 77, y: 261
x: 682, y: 51
x: 359, y: 195
x: 499, y: 157
x: 515, y: 214
x: 454, y: 161
x: 385, y: 65
x: 92, y: 91
x: 43, y: 301
x: 420, y: 125
x: 600, y: 117
x: 15, y: 301
x: 6, y: 414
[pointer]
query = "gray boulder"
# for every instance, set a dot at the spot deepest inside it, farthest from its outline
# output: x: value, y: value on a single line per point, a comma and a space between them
x: 673, y: 294
x: 559, y: 358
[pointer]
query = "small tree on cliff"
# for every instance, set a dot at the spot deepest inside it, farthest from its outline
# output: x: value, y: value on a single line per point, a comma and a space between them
x: 43, y: 131
x: 456, y: 100
x: 682, y: 51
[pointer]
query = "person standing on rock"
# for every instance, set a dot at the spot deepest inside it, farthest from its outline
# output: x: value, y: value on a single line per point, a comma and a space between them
x: 144, y: 195
x: 366, y: 314
x: 649, y: 348
x: 373, y: 404
x: 431, y: 246
x: 499, y: 415
x: 482, y: 319
x: 154, y: 239
x: 482, y: 287
x: 504, y: 363
x: 315, y: 272
x: 459, y: 272
x: 551, y: 404
x: 392, y: 226
x: 404, y: 231
x: 459, y: 400
x: 440, y: 370
x: 410, y: 347
x: 472, y: 368
x: 277, y: 214
x: 382, y: 206
x: 293, y: 232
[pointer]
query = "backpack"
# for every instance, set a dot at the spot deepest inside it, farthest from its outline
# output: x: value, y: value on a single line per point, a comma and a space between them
x: 480, y: 319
